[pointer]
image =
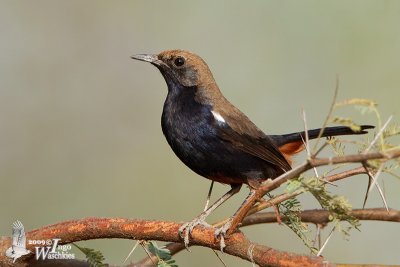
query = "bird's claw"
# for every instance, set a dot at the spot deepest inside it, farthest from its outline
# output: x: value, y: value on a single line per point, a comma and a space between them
x: 185, y: 231
x: 221, y: 234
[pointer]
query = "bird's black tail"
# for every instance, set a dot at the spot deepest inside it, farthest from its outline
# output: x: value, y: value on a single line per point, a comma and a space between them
x: 281, y: 140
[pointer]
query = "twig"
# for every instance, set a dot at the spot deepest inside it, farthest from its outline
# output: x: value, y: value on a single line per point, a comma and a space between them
x: 327, y: 116
x: 377, y: 135
x: 317, y: 235
x: 285, y: 196
x: 372, y: 178
x: 307, y: 141
x: 321, y: 217
x: 270, y: 185
x: 375, y: 180
x: 320, y: 149
x: 311, y: 163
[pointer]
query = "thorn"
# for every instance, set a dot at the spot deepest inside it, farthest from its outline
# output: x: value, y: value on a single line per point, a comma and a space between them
x: 143, y: 243
x: 220, y: 259
x: 133, y: 249
x: 326, y: 242
x: 378, y: 135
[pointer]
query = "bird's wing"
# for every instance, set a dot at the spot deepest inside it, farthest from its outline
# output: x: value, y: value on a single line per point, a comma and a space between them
x: 238, y: 130
x: 18, y: 232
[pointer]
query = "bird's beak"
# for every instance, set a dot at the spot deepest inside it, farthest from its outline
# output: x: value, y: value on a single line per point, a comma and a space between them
x: 153, y: 59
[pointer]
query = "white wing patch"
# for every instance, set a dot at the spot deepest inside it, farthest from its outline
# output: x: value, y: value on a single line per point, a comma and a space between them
x: 218, y: 117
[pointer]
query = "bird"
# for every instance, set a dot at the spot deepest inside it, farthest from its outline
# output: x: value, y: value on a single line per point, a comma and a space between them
x: 215, y: 139
x: 18, y: 245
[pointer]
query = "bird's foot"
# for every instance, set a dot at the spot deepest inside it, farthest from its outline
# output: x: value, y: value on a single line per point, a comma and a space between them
x: 185, y: 231
x: 222, y: 232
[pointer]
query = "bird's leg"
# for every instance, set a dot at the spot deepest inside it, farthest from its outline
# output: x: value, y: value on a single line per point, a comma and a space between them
x: 234, y: 221
x: 189, y: 226
x: 209, y: 196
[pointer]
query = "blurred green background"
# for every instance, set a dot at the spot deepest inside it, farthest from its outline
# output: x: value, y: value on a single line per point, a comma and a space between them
x: 80, y: 127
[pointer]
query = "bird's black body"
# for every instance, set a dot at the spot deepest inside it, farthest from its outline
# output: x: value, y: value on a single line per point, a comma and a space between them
x: 187, y: 127
x: 210, y: 135
x: 215, y: 139
x: 195, y: 136
x: 197, y: 139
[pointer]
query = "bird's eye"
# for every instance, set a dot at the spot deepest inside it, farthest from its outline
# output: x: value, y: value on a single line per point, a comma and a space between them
x: 179, y: 61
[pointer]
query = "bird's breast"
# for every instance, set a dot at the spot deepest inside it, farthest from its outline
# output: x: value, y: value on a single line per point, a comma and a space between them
x: 186, y: 125
x: 189, y: 128
x: 193, y: 129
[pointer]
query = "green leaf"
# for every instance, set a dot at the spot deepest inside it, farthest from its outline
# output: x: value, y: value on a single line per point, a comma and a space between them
x: 337, y: 146
x: 163, y: 254
x: 292, y: 186
x: 94, y: 257
x: 290, y: 209
x: 338, y: 206
x: 358, y: 102
x: 391, y: 130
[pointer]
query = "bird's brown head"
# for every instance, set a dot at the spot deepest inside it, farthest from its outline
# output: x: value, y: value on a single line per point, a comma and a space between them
x: 180, y: 67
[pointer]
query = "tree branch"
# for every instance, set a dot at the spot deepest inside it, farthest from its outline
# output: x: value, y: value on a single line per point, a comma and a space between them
x: 95, y: 228
x: 322, y: 216
x: 317, y: 162
x: 308, y: 216
x: 177, y: 247
x: 312, y: 162
x: 237, y: 244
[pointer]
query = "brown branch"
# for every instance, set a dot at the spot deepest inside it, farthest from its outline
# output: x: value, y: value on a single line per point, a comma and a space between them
x: 236, y: 244
x: 285, y: 196
x: 317, y: 162
x: 96, y: 228
x: 322, y: 216
x: 177, y: 247
x: 311, y: 163
x: 308, y: 216
x: 343, y: 175
x: 270, y: 185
